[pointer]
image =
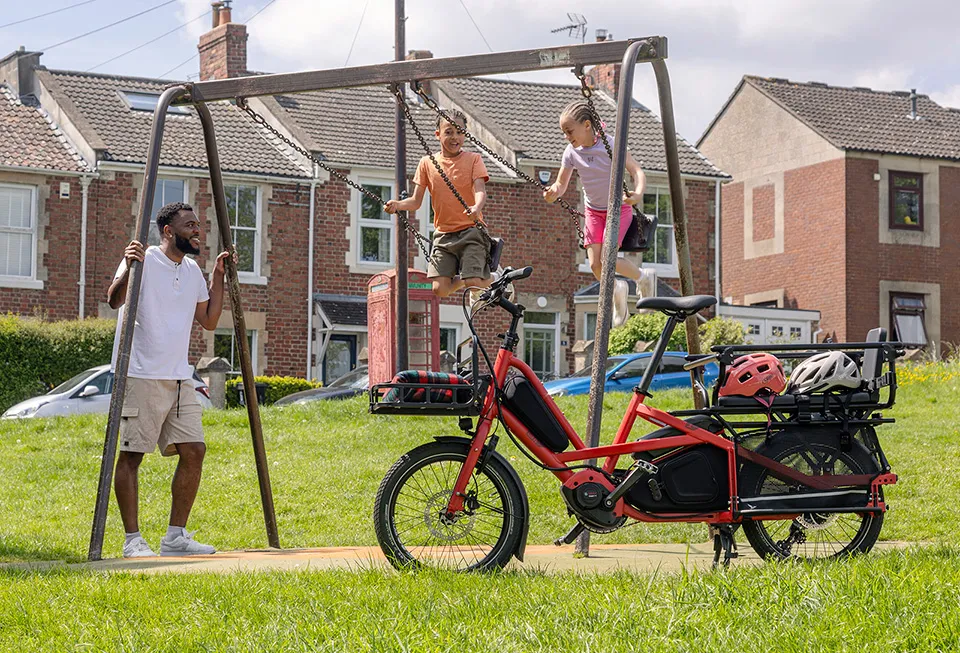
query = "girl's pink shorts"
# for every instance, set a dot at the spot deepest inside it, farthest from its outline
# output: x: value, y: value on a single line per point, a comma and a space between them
x: 597, y: 221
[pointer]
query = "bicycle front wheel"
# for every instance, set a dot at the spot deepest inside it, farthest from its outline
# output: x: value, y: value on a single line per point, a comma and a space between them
x: 411, y: 520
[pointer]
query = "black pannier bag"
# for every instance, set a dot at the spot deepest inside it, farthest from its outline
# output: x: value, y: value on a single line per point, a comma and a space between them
x: 521, y: 399
x: 694, y: 479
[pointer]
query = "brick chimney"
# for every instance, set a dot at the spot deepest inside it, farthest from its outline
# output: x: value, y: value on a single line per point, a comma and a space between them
x: 605, y: 76
x: 223, y: 50
x: 414, y: 55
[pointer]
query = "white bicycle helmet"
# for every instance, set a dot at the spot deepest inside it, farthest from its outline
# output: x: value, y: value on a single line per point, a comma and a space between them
x: 822, y: 372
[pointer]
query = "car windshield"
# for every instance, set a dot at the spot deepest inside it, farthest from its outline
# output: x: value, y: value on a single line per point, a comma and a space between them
x: 611, y: 363
x: 72, y: 383
x: 358, y: 378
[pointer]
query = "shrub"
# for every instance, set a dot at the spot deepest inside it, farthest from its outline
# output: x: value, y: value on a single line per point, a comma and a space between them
x: 36, y: 356
x: 649, y: 326
x: 277, y: 387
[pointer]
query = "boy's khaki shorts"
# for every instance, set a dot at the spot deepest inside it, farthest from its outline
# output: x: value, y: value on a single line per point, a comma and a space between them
x: 459, y: 252
x: 160, y: 412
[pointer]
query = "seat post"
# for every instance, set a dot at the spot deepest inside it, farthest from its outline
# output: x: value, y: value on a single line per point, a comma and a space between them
x: 657, y: 355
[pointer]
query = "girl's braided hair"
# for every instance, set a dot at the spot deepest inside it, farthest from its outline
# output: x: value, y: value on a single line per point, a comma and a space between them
x: 580, y: 111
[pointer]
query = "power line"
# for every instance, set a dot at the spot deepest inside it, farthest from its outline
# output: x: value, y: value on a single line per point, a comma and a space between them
x: 100, y: 29
x: 49, y: 13
x: 143, y: 45
x: 185, y: 62
x: 359, y: 25
x: 475, y: 25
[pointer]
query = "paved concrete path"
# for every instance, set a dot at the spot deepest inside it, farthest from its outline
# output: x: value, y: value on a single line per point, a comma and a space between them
x: 604, y: 558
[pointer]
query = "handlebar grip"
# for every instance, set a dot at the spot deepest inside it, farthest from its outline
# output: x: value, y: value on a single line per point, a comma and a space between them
x: 522, y: 273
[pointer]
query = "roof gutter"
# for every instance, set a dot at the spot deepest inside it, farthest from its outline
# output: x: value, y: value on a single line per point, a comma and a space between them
x: 44, y: 171
x: 124, y: 166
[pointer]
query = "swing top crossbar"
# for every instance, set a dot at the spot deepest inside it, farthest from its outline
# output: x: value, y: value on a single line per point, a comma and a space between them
x: 399, y: 72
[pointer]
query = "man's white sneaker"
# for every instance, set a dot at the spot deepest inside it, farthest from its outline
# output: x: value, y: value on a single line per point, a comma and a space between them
x: 620, y: 310
x: 184, y: 545
x: 137, y: 548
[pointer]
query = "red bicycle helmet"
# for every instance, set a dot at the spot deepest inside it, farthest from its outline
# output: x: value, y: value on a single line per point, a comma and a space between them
x: 752, y: 373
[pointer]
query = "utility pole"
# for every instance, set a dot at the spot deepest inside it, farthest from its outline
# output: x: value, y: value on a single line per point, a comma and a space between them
x: 401, y: 164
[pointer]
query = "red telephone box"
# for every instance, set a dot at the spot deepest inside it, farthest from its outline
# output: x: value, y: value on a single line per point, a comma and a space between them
x: 423, y: 328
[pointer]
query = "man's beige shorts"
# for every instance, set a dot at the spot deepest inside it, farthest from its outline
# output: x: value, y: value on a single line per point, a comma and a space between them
x: 152, y: 415
x: 460, y: 252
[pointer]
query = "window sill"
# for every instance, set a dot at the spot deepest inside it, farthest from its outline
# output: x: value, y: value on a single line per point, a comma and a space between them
x: 21, y: 282
x: 252, y: 279
x: 903, y: 227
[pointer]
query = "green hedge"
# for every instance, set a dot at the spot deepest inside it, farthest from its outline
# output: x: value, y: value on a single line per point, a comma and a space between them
x: 36, y: 356
x: 648, y: 327
x: 277, y: 387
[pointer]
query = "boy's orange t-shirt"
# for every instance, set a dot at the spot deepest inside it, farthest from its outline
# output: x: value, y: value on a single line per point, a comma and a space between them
x: 462, y: 170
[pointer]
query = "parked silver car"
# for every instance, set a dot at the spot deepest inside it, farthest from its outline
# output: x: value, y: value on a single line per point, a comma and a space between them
x: 87, y: 392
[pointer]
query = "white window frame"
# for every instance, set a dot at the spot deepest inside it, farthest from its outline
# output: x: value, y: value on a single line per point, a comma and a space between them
x: 244, y: 276
x: 555, y: 329
x: 153, y: 218
x: 587, y: 334
x: 17, y: 281
x: 222, y: 331
x: 457, y: 329
x: 663, y: 270
x: 426, y: 226
x: 358, y: 223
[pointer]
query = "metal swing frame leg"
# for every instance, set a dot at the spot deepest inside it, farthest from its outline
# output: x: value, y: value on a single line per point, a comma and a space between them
x: 132, y: 302
x: 610, y: 244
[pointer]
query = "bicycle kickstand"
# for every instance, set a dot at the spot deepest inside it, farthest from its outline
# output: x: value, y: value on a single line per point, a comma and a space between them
x: 725, y: 541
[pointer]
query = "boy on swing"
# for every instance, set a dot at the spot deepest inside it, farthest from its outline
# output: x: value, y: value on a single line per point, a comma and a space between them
x: 460, y: 248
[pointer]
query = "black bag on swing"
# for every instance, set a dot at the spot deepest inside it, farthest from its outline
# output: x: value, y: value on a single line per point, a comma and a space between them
x: 633, y: 240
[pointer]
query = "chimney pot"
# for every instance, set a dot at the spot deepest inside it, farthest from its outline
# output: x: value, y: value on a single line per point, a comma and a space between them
x: 225, y: 13
x: 215, y: 6
x: 601, y: 35
x: 913, y: 103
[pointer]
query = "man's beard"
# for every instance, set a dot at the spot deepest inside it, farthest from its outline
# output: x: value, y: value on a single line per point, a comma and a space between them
x: 185, y: 246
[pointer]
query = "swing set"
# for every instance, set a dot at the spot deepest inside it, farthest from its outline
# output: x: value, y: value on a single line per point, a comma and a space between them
x: 395, y: 75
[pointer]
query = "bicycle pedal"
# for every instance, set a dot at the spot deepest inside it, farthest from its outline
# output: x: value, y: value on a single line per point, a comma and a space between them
x: 655, y: 489
x: 646, y: 466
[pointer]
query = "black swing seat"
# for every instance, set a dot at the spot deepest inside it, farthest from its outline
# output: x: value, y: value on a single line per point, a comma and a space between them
x: 496, y: 249
x: 677, y: 305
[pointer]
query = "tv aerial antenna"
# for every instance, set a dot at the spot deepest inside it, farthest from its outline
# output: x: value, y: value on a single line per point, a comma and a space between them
x: 576, y: 28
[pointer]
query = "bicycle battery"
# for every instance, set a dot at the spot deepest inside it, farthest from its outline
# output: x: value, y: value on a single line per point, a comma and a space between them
x: 521, y: 399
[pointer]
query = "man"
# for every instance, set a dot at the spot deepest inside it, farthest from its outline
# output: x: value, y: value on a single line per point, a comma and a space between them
x: 160, y: 405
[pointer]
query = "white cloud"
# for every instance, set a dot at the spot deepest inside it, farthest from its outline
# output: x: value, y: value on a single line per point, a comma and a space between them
x: 886, y: 78
x: 949, y: 97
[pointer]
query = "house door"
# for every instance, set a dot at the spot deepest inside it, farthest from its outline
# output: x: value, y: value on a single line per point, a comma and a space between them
x: 340, y: 358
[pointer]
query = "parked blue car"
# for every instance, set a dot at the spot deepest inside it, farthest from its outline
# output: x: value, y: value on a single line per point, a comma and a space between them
x: 625, y: 371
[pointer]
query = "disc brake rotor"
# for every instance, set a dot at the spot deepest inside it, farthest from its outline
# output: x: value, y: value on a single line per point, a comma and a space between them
x: 442, y: 526
x: 816, y: 521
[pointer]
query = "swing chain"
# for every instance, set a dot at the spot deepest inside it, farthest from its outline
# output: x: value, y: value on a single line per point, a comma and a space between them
x: 401, y: 101
x: 401, y: 215
x: 430, y: 102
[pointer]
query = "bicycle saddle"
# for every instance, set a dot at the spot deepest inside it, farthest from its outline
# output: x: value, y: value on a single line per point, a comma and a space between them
x: 686, y: 305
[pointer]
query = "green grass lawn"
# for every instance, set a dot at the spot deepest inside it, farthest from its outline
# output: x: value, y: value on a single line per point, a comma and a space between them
x: 326, y: 461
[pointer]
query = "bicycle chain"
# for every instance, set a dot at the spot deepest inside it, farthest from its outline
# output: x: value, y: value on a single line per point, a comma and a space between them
x: 401, y: 215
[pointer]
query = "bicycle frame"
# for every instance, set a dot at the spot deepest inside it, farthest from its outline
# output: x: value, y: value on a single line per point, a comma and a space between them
x: 690, y: 435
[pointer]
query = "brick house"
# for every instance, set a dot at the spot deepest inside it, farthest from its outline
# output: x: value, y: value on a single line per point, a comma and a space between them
x: 305, y: 298
x: 844, y: 200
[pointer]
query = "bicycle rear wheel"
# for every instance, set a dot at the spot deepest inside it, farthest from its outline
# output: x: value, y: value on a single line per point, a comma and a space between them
x: 410, y: 517
x: 812, y: 535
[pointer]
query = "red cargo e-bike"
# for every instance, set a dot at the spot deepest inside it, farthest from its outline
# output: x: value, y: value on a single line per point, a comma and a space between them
x: 802, y: 474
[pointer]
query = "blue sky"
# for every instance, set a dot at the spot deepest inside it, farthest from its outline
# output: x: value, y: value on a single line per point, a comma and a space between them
x: 883, y: 44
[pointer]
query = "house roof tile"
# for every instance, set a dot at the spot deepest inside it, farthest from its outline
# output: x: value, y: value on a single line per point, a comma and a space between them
x: 244, y: 147
x: 866, y: 120
x: 30, y: 139
x: 529, y: 112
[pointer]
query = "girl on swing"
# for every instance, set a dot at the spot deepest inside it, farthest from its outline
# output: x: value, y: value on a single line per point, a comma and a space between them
x: 586, y: 154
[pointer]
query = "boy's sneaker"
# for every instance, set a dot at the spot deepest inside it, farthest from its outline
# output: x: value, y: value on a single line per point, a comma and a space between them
x: 137, y: 548
x: 184, y: 545
x: 509, y: 293
x: 647, y: 285
x: 620, y: 309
